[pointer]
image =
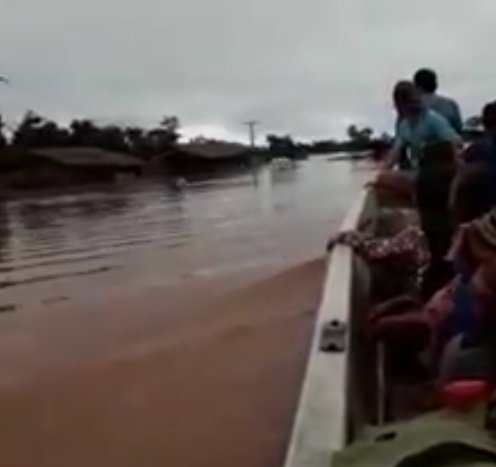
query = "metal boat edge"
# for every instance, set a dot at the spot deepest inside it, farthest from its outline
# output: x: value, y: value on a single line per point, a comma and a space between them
x: 324, y: 417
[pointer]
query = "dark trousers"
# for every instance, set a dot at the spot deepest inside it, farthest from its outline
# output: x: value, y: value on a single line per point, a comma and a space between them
x: 432, y: 192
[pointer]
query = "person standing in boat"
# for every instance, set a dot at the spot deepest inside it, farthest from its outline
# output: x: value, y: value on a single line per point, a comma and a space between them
x: 432, y: 145
x: 418, y: 126
x: 427, y: 83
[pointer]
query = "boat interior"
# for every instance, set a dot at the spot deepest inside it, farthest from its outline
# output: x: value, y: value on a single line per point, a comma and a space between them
x: 383, y: 388
x: 355, y: 393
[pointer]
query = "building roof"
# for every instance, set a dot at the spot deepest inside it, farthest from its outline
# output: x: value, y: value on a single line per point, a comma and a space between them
x: 87, y: 156
x: 213, y: 149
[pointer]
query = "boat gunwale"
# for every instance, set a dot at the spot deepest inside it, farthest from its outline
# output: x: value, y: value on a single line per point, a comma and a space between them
x: 321, y: 423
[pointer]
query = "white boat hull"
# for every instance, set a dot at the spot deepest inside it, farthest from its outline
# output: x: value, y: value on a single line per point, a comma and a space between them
x: 326, y: 416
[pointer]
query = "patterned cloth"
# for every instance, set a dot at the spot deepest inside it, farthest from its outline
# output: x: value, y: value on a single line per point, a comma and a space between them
x: 407, y: 248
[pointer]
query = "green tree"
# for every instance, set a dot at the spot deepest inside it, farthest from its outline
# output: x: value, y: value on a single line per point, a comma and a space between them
x: 83, y: 133
x: 165, y: 135
x: 37, y: 131
x: 112, y: 138
x: 359, y: 135
x: 280, y: 145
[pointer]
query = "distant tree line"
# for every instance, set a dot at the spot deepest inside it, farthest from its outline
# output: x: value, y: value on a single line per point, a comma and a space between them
x: 36, y: 131
x: 359, y: 139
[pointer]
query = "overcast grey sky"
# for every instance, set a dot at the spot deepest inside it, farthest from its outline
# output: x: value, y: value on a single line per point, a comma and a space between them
x: 306, y: 67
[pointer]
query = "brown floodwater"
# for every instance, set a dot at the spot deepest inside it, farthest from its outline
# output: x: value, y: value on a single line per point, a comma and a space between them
x: 141, y: 325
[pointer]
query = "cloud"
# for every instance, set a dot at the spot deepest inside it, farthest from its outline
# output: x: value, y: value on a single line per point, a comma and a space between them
x: 300, y: 67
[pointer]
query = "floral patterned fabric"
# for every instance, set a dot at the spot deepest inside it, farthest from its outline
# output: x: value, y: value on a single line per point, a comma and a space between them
x: 408, y: 247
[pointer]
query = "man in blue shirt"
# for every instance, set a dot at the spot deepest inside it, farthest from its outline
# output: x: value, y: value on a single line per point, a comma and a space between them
x: 417, y: 127
x: 426, y: 82
x: 432, y: 144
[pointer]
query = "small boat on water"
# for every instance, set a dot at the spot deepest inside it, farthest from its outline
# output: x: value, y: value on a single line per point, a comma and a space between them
x: 342, y: 419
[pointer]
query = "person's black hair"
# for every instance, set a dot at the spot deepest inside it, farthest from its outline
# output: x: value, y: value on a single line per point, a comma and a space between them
x: 474, y: 195
x: 405, y: 91
x: 426, y: 80
x: 489, y: 115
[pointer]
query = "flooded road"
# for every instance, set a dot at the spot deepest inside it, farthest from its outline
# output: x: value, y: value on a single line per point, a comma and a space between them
x: 146, y: 326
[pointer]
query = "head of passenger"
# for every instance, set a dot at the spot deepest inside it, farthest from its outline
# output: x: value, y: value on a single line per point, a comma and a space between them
x: 484, y: 288
x: 489, y: 118
x: 407, y: 99
x: 474, y: 245
x: 470, y: 198
x: 426, y: 81
x: 392, y: 222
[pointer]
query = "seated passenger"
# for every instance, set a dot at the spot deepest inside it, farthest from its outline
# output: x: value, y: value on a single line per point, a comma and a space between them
x: 484, y: 150
x: 468, y: 201
x: 394, y: 188
x: 479, y: 167
x: 471, y: 354
x: 396, y: 258
x: 407, y: 328
x: 457, y: 332
x: 406, y: 246
x: 470, y: 198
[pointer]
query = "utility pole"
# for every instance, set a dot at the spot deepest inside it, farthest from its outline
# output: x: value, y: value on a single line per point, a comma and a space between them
x: 251, y: 131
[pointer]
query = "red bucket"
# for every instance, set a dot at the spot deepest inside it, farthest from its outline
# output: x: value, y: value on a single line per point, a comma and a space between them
x: 463, y: 394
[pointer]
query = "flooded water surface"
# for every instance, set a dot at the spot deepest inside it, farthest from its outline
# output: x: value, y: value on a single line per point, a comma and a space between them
x: 142, y: 325
x: 149, y: 234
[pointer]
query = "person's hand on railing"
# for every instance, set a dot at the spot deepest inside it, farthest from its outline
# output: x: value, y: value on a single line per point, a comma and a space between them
x: 341, y: 238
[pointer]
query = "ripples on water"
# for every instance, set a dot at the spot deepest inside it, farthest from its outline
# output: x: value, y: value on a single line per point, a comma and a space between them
x: 54, y: 247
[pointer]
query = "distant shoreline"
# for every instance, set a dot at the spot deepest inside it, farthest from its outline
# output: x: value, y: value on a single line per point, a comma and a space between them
x: 52, y: 170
